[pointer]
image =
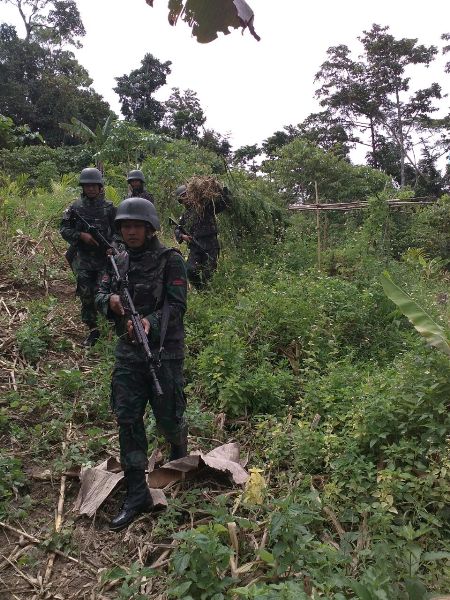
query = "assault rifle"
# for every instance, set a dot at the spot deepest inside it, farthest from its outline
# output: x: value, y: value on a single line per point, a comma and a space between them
x: 96, y: 234
x: 193, y: 240
x: 138, y: 328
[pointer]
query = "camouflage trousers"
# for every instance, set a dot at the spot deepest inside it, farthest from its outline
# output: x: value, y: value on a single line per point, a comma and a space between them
x: 87, y: 285
x: 200, y: 267
x: 131, y: 391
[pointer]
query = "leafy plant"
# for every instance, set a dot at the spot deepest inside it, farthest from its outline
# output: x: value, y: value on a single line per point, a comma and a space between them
x: 199, y: 565
x: 132, y: 579
x: 431, y: 331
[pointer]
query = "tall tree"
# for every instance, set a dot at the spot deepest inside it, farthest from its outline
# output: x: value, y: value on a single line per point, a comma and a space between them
x: 277, y: 140
x: 387, y: 60
x: 326, y: 131
x: 346, y: 95
x: 136, y: 92
x: 445, y: 49
x: 372, y: 93
x: 218, y: 143
x: 41, y: 86
x: 54, y: 22
x: 184, y: 116
x: 300, y: 164
x: 245, y: 157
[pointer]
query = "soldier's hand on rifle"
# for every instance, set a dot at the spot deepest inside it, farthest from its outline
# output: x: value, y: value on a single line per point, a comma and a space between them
x: 116, y: 305
x: 145, y: 325
x: 88, y: 239
x: 186, y: 238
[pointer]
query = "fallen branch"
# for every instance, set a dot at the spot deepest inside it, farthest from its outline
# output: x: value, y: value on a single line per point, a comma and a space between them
x: 33, y: 582
x: 37, y: 541
x: 59, y: 511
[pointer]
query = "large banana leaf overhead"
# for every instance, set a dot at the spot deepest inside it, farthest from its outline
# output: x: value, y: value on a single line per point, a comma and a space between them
x: 208, y: 17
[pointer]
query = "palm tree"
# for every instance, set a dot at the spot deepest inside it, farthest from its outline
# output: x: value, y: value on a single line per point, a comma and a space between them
x: 96, y: 139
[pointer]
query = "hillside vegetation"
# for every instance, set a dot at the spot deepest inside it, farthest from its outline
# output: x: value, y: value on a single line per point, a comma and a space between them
x: 340, y: 406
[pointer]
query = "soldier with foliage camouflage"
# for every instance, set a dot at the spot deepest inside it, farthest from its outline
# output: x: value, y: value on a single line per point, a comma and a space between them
x: 158, y: 285
x: 201, y: 234
x: 136, y: 183
x: 87, y: 257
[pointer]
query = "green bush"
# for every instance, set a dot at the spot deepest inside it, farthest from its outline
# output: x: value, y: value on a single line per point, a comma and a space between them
x: 34, y: 335
x: 12, y: 479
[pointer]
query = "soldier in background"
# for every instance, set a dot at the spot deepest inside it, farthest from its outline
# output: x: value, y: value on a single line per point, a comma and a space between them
x: 136, y: 183
x: 87, y: 257
x: 157, y: 282
x: 198, y: 229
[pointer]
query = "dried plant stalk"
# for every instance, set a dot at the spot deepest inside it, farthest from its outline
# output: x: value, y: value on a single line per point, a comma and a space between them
x: 201, y: 190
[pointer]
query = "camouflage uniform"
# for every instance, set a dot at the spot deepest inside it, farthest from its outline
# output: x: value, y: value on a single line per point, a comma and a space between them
x: 203, y: 227
x: 143, y: 194
x: 157, y: 283
x: 89, y: 261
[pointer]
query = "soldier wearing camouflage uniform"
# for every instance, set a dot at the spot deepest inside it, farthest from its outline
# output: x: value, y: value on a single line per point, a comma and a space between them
x: 158, y: 285
x: 86, y: 256
x: 136, y: 183
x: 201, y: 262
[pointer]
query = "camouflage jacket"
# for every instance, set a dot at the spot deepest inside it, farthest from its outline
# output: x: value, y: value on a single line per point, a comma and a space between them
x: 144, y: 194
x: 101, y: 214
x: 157, y: 283
x: 204, y: 224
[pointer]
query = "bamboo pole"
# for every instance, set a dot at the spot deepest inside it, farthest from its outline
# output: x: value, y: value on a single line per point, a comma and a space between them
x: 358, y: 204
x: 318, y: 227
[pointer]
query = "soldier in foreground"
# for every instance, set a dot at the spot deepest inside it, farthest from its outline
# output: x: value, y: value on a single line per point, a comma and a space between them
x: 136, y: 183
x: 157, y: 284
x: 198, y: 228
x: 86, y: 254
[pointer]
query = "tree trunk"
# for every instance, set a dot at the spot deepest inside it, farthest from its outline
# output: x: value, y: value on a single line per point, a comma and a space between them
x: 400, y: 139
x: 374, y: 144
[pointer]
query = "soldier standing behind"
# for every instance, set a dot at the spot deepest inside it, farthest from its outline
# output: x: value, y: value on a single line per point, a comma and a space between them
x: 136, y: 183
x: 86, y: 256
x: 199, y: 221
x: 158, y: 285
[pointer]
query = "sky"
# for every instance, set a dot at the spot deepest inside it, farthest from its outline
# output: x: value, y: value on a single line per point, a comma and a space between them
x: 247, y: 89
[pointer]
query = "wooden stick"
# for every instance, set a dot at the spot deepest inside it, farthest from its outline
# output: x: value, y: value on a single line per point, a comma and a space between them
x: 159, y: 561
x: 333, y: 518
x: 4, y: 304
x: 359, y: 204
x: 60, y: 509
x: 32, y: 582
x: 35, y: 540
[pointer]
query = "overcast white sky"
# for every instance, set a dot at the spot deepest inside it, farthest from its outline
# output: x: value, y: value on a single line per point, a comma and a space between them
x: 247, y: 88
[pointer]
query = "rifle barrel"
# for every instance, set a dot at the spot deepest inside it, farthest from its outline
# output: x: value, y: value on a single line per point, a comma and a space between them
x: 138, y: 328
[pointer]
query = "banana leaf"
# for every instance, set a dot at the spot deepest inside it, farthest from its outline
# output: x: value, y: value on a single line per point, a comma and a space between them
x: 207, y: 17
x: 431, y: 331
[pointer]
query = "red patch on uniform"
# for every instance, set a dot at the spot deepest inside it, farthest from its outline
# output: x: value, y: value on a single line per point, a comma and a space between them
x: 179, y: 282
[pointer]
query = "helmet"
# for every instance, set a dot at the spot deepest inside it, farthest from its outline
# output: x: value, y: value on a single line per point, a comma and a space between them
x: 136, y: 175
x: 91, y: 176
x: 181, y: 189
x: 137, y: 209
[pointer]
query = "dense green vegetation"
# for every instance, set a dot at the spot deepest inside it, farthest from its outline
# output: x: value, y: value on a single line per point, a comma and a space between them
x: 295, y: 351
x: 339, y: 403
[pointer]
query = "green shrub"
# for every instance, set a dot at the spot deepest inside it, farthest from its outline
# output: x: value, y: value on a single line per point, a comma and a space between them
x: 35, y: 335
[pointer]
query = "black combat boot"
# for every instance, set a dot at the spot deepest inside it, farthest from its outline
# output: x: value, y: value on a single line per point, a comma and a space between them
x: 178, y: 451
x: 138, y: 500
x: 92, y: 338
